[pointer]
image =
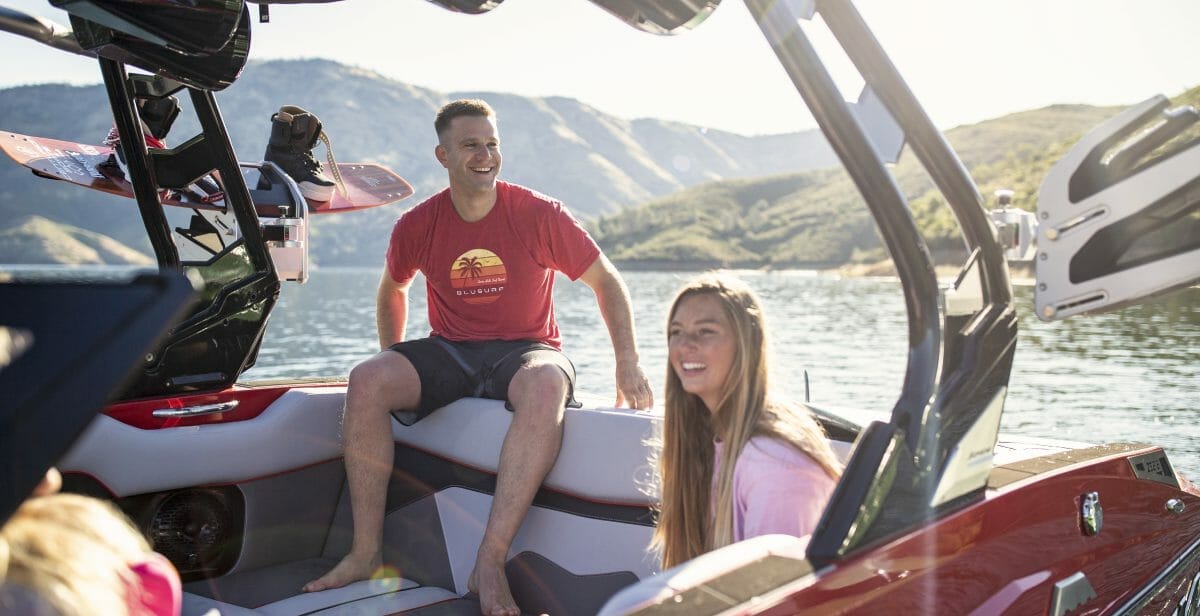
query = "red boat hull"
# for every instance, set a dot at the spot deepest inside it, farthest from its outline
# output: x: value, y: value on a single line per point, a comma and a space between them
x: 1006, y: 553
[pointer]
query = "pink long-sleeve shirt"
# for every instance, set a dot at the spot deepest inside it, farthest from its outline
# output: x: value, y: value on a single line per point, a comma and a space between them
x: 776, y: 489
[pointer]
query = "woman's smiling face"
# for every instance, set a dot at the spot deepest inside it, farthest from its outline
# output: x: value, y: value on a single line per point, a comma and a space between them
x: 700, y: 346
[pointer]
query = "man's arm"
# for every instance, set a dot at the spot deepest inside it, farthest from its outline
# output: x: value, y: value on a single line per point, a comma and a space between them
x: 613, y: 298
x: 391, y: 310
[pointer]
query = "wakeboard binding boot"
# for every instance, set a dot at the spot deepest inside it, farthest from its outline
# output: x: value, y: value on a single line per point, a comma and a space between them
x: 294, y: 134
x: 157, y: 115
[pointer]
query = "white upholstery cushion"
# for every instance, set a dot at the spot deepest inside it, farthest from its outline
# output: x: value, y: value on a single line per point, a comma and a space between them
x: 299, y: 429
x: 603, y: 456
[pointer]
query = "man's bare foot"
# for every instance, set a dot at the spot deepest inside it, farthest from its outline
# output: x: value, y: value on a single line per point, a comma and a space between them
x: 489, y: 582
x: 352, y: 568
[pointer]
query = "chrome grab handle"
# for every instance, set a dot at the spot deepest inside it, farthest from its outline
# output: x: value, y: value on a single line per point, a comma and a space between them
x: 196, y: 411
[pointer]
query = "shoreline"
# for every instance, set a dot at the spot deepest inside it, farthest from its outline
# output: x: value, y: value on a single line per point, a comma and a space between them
x: 1020, y: 273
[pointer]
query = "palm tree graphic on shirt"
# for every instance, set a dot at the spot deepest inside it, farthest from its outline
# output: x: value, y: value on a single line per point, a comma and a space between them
x: 470, y: 266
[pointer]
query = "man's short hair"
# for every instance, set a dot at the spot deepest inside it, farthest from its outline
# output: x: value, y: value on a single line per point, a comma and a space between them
x: 461, y: 107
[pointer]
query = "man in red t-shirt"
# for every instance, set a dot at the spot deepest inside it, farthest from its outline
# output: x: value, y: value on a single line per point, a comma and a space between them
x: 489, y: 251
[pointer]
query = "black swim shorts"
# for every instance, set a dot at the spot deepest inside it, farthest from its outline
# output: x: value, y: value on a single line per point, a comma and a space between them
x: 452, y: 370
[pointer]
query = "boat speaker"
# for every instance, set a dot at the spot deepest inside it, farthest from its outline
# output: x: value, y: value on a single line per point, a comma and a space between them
x: 198, y: 529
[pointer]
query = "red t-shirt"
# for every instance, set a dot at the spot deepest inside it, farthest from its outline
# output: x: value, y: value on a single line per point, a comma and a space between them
x: 492, y: 279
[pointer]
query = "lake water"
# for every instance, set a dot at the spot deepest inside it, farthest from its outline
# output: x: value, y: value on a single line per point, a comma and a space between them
x: 1132, y: 375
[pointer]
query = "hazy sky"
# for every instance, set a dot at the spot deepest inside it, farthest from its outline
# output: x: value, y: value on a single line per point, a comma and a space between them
x: 966, y: 60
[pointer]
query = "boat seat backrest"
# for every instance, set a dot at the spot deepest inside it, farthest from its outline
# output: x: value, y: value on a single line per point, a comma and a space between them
x: 604, y: 456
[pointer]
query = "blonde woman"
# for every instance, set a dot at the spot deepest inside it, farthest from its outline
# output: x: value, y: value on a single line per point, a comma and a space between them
x: 732, y: 463
x: 81, y: 556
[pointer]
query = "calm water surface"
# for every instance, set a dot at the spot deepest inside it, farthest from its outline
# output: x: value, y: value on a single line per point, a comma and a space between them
x: 1133, y: 375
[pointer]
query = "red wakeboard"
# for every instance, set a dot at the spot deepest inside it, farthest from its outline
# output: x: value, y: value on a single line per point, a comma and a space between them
x: 367, y: 185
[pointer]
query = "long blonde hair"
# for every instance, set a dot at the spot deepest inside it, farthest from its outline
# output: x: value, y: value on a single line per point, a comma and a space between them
x: 74, y: 552
x: 684, y: 451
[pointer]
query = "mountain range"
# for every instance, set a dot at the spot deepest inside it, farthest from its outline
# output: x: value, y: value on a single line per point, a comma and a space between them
x: 654, y: 193
x: 594, y: 162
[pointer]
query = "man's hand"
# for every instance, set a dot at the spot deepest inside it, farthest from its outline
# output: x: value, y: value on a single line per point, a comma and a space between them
x: 632, y: 387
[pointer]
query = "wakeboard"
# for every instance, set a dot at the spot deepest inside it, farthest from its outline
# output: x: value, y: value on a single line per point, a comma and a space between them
x: 363, y: 185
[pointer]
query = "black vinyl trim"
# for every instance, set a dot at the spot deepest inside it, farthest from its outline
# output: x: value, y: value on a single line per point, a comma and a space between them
x: 541, y: 586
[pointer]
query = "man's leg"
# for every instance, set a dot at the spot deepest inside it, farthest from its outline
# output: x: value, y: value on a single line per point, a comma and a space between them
x: 537, y: 393
x: 379, y: 385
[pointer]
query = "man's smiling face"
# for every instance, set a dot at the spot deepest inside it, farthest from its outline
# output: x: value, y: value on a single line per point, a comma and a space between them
x: 470, y: 152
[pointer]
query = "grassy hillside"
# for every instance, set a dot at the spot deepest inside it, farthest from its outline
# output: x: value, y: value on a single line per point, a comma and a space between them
x: 1022, y: 171
x: 38, y: 240
x: 818, y: 219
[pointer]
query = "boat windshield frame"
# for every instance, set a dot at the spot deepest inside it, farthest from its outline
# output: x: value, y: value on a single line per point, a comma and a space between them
x: 925, y: 461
